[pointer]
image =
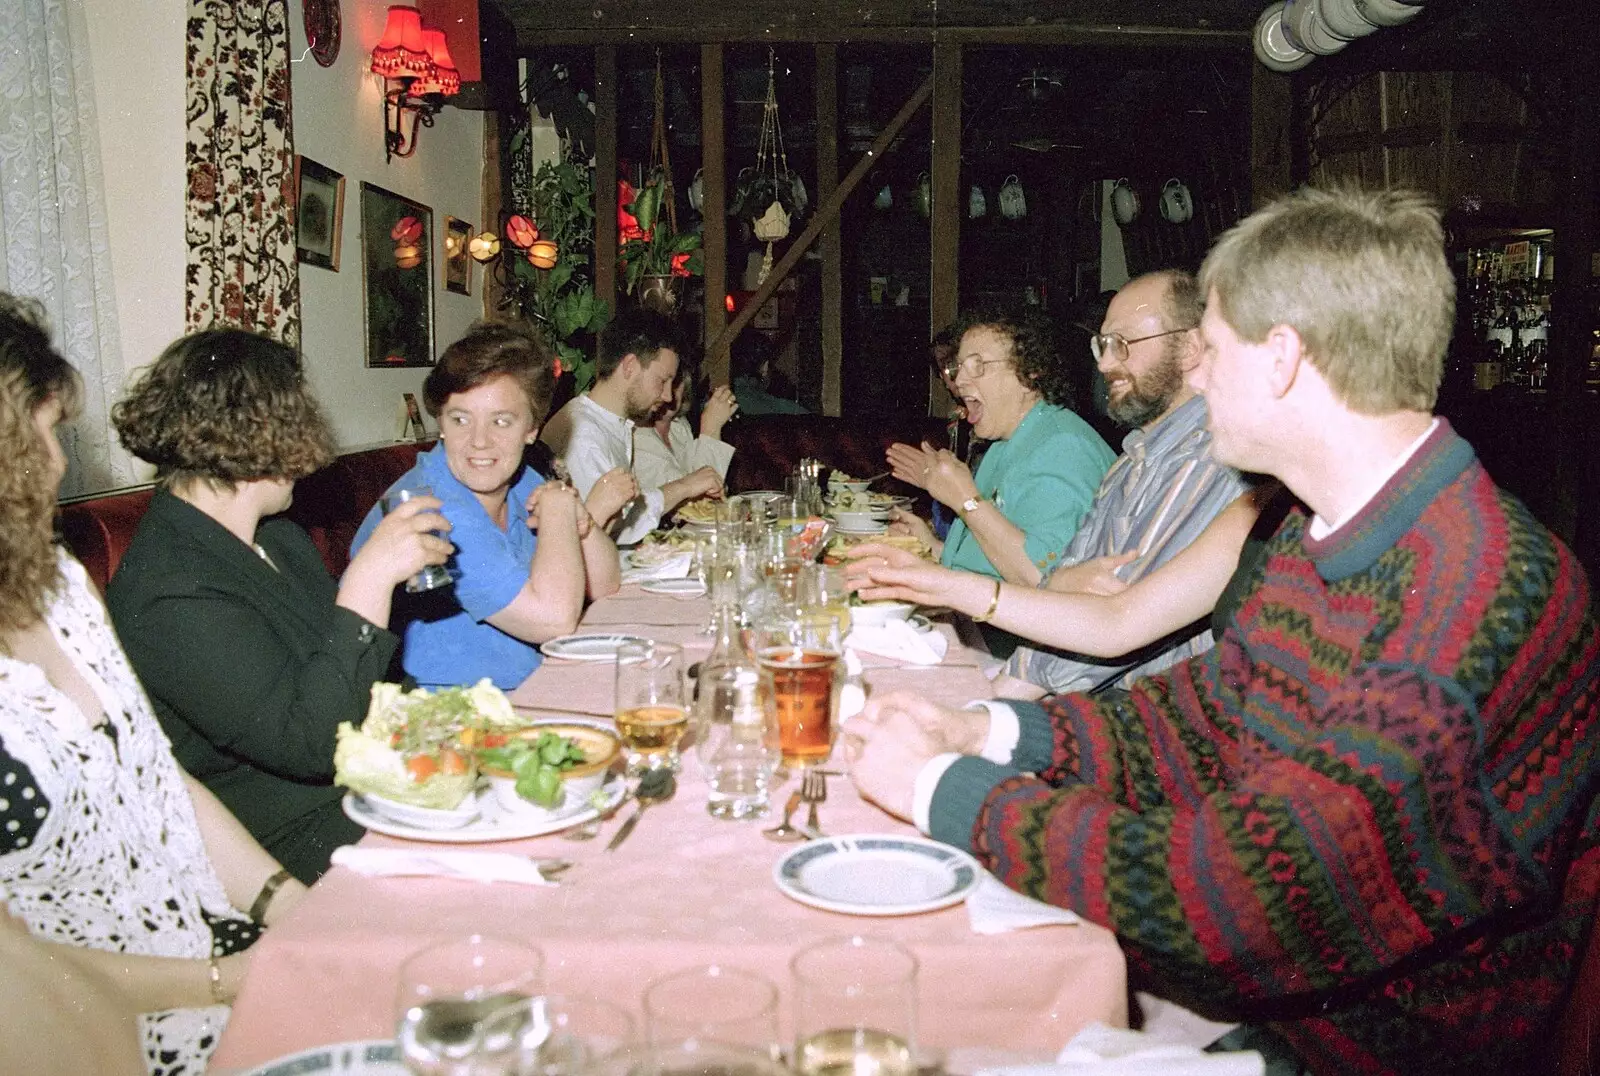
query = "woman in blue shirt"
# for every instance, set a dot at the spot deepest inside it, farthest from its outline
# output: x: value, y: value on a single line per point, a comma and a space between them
x: 1041, y: 470
x: 490, y: 393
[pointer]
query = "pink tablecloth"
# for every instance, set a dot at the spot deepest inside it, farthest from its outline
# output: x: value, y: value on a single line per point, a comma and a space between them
x: 685, y: 889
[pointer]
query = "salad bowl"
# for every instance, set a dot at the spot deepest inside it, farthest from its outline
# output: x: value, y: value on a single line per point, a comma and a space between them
x: 579, y: 781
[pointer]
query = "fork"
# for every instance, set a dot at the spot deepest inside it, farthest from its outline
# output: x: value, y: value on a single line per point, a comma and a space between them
x: 813, y: 790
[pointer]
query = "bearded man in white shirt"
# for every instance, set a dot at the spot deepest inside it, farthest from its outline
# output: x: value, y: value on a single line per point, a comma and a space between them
x: 593, y: 433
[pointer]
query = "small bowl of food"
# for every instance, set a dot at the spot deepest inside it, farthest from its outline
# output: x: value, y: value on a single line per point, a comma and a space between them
x: 417, y: 817
x: 858, y: 521
x: 877, y: 614
x: 548, y: 767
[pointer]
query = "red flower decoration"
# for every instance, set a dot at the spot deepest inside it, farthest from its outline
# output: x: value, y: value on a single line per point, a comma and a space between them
x: 558, y: 366
x: 626, y: 221
x: 680, y: 265
x: 521, y: 232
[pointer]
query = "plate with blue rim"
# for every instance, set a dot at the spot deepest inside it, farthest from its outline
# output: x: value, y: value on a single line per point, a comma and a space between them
x: 877, y: 874
x: 588, y: 646
x: 371, y: 1057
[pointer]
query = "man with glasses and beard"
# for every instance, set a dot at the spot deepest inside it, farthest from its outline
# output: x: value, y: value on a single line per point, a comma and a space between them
x: 1159, y: 494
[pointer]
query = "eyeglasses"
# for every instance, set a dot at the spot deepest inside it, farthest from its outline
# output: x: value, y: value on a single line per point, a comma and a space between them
x: 1115, y: 345
x: 973, y: 368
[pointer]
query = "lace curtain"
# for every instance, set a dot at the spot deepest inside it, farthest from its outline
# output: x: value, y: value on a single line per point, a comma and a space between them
x: 53, y: 218
x: 240, y: 166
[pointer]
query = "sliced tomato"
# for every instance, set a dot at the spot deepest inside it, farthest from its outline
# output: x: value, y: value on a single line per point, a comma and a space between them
x: 421, y: 767
x: 452, y: 762
x: 495, y: 739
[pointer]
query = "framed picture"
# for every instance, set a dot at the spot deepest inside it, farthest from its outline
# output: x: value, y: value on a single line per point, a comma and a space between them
x: 457, y: 262
x: 318, y: 213
x: 397, y: 278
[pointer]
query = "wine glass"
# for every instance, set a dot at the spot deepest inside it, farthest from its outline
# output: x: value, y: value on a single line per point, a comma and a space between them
x: 855, y: 1008
x: 651, y: 703
x: 471, y: 1006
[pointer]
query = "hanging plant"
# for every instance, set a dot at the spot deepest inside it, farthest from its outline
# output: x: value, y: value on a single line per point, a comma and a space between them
x: 769, y: 196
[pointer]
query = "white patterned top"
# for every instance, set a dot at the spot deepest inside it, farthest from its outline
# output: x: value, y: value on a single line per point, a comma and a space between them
x: 117, y: 862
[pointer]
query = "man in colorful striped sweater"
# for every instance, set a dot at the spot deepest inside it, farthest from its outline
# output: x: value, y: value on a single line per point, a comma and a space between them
x: 1365, y: 824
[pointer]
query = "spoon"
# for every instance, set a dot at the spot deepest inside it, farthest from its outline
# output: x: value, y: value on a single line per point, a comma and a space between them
x: 783, y: 831
x: 654, y: 786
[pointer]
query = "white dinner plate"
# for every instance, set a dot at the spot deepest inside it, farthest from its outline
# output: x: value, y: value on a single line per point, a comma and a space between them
x: 408, y: 814
x: 678, y: 588
x: 588, y: 646
x: 371, y: 1057
x: 875, y: 874
x: 493, y: 823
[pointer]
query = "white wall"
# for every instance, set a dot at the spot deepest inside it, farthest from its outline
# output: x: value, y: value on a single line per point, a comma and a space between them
x: 137, y: 49
x: 338, y: 122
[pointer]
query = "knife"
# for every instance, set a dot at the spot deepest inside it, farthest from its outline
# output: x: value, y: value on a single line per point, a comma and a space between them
x: 654, y: 786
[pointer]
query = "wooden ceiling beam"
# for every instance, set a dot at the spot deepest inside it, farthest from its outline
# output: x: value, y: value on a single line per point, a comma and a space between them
x: 531, y: 37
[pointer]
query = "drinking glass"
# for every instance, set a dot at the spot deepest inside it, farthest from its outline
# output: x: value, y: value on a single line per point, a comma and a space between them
x: 432, y: 576
x: 651, y: 704
x: 855, y: 1008
x: 716, y: 1003
x: 691, y: 1057
x: 823, y: 589
x: 584, y: 1032
x: 799, y: 652
x: 736, y: 740
x: 470, y: 1007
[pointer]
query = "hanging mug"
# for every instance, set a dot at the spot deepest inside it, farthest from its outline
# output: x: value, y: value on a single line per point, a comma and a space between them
x: 884, y: 198
x: 1176, y: 205
x: 977, y: 204
x: 1124, y: 202
x: 1013, y: 203
x: 922, y: 197
x: 697, y: 192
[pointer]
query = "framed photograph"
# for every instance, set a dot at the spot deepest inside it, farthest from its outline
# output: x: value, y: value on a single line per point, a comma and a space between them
x: 412, y: 427
x: 457, y: 262
x: 397, y: 278
x: 318, y: 213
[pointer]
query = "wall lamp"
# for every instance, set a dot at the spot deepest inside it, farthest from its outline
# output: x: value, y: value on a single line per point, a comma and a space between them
x: 418, y: 75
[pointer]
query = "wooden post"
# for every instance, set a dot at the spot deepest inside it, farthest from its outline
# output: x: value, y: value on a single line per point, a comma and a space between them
x: 826, y: 214
x: 831, y: 248
x: 713, y: 207
x: 945, y: 243
x: 605, y: 174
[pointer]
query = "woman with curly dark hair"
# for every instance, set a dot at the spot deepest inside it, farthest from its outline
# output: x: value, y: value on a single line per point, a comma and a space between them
x: 121, y: 878
x: 249, y: 650
x: 1040, y: 472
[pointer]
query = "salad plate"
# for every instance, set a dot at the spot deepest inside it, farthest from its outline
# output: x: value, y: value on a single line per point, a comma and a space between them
x: 408, y: 814
x: 493, y: 823
x: 877, y: 874
x: 370, y: 1057
x: 592, y: 646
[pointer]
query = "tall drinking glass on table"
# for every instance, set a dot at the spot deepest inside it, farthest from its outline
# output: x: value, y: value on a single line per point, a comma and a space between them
x: 651, y: 703
x: 470, y: 1006
x: 855, y: 1008
x: 799, y: 653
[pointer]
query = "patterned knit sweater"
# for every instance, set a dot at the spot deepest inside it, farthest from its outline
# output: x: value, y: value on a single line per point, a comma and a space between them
x: 1368, y: 817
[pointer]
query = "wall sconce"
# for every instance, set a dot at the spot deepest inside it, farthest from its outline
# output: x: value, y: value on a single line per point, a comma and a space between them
x: 414, y: 62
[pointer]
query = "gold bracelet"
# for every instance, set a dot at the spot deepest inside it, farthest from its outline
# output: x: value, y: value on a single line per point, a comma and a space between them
x: 215, y: 971
x: 263, y: 901
x: 994, y: 604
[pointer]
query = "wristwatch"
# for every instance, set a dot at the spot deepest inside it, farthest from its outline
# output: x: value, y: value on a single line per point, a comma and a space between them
x: 970, y: 504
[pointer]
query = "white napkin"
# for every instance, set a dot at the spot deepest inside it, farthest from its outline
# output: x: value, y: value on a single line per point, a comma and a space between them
x: 993, y: 908
x: 899, y: 640
x: 674, y: 567
x: 440, y: 863
x: 1099, y: 1050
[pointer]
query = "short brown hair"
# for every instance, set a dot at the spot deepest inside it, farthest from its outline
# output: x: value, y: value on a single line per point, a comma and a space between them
x: 640, y: 332
x: 1360, y: 275
x: 31, y: 374
x: 492, y: 349
x: 224, y: 406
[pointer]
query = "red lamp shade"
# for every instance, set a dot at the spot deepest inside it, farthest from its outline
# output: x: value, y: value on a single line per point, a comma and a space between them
x: 402, y: 52
x: 443, y: 78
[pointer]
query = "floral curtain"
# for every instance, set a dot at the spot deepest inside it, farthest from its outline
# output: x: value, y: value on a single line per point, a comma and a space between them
x: 53, y: 218
x: 241, y: 266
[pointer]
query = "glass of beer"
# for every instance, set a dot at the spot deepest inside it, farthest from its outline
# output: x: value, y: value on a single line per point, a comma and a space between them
x: 651, y: 704
x: 855, y: 1008
x: 798, y: 651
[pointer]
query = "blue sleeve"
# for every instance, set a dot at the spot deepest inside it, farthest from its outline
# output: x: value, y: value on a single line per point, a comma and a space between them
x: 491, y: 565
